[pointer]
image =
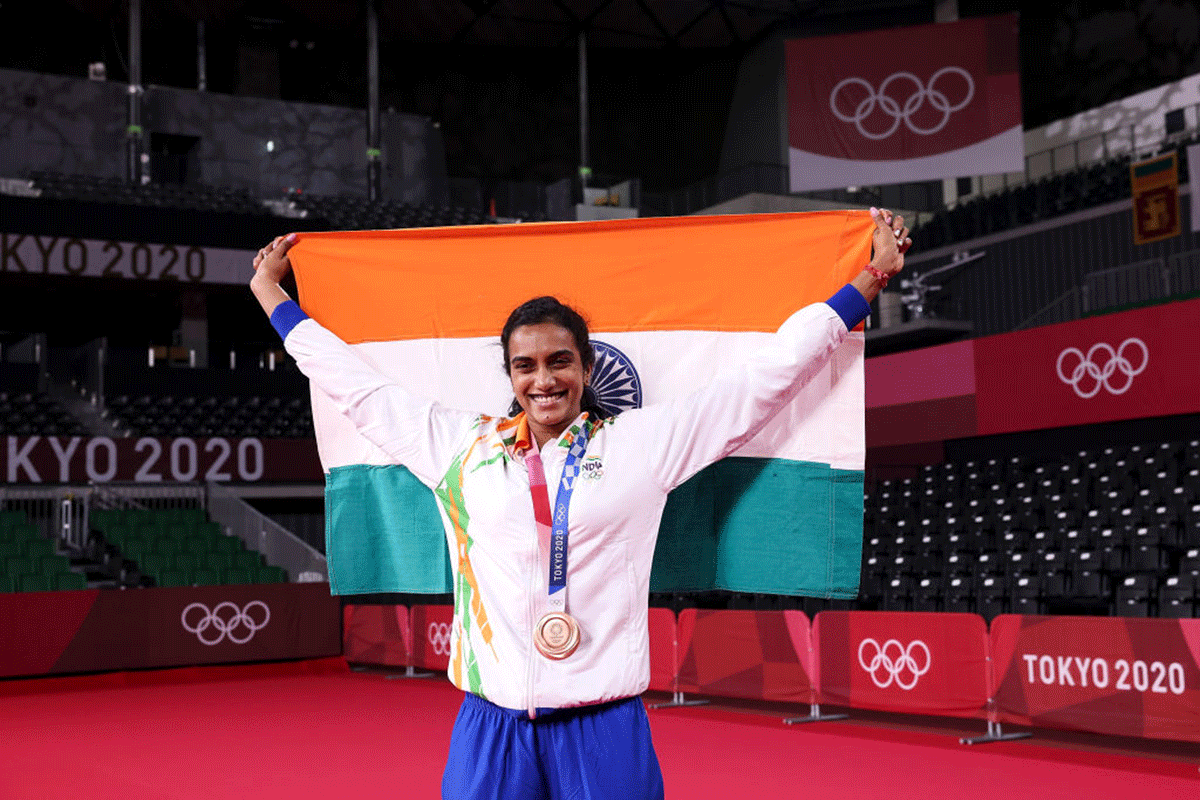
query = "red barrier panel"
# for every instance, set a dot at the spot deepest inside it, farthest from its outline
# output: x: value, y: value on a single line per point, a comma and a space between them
x: 663, y: 658
x: 431, y: 636
x: 376, y: 634
x: 751, y: 654
x: 36, y: 627
x: 1129, y: 677
x: 96, y: 631
x: 916, y: 663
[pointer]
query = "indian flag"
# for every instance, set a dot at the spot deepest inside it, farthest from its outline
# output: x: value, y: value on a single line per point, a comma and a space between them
x: 670, y: 302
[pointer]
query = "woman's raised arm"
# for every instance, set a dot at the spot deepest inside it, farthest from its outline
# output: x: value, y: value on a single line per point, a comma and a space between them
x: 685, y: 434
x: 412, y: 431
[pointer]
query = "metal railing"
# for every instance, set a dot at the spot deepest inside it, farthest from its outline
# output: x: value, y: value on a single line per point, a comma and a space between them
x: 62, y: 513
x: 279, y: 546
x: 59, y: 513
x: 1129, y: 284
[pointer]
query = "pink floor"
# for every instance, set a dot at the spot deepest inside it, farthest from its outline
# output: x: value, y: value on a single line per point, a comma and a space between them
x: 317, y: 731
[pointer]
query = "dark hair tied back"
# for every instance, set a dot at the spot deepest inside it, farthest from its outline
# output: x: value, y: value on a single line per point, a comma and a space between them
x: 547, y: 309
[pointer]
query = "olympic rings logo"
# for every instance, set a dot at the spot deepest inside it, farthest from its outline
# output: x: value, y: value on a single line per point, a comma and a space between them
x: 1088, y: 377
x: 439, y: 637
x: 896, y: 662
x: 921, y: 94
x: 225, y: 621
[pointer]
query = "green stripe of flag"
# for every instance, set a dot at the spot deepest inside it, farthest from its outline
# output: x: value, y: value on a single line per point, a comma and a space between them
x: 772, y: 526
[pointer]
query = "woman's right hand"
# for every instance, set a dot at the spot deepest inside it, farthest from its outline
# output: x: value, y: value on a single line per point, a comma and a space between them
x: 272, y: 263
x: 271, y: 266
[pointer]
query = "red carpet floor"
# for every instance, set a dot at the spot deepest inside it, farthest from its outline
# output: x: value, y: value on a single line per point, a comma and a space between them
x: 326, y: 733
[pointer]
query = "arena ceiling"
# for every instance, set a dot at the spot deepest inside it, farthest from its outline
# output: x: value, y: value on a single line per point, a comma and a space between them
x: 537, y: 23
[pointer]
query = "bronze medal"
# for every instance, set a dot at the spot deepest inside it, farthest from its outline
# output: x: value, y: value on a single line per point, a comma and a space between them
x: 556, y: 635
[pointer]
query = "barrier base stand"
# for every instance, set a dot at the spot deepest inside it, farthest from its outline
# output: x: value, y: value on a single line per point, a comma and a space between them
x: 814, y: 715
x: 411, y: 673
x: 677, y: 701
x: 994, y: 734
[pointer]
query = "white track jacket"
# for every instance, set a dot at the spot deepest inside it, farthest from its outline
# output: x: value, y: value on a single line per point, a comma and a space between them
x: 475, y: 466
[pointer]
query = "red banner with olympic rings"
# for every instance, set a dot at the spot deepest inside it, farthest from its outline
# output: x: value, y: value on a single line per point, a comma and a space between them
x: 916, y: 663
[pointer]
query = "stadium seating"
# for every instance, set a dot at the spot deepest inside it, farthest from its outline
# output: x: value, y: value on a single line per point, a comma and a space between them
x: 180, y: 547
x: 35, y: 414
x: 30, y: 562
x: 193, y: 197
x: 1115, y: 531
x: 1081, y: 188
x: 254, y: 415
x: 348, y: 212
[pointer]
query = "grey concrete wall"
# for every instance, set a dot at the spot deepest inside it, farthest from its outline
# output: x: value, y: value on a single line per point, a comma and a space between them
x: 77, y: 126
x: 48, y: 122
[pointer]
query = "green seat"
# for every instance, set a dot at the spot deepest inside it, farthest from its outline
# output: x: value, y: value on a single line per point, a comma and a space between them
x: 116, y: 533
x: 206, y: 576
x: 53, y: 564
x: 237, y: 576
x: 269, y: 573
x: 11, y: 549
x: 35, y: 583
x: 135, y: 539
x: 172, y: 577
x: 102, y: 519
x: 10, y: 518
x: 153, y: 563
x: 35, y: 548
x: 166, y: 546
x: 197, y: 544
x: 69, y: 580
x: 7, y: 584
x: 218, y: 560
x: 177, y: 532
x: 247, y: 559
x: 24, y: 531
x: 18, y: 566
x: 188, y: 561
x: 228, y: 544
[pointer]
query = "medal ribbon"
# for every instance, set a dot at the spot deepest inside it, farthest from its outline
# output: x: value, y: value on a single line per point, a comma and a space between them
x: 552, y: 529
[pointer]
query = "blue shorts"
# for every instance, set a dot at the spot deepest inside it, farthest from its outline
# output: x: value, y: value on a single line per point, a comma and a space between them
x: 589, y: 753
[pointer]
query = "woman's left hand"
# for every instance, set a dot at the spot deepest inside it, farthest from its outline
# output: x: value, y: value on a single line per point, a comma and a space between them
x: 889, y: 241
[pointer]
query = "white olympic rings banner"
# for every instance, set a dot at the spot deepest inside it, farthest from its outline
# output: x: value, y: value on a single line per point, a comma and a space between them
x: 439, y: 637
x: 1088, y: 373
x: 934, y: 95
x: 893, y: 662
x: 225, y: 621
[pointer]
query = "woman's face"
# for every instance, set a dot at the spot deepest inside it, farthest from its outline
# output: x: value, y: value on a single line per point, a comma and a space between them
x: 547, y: 377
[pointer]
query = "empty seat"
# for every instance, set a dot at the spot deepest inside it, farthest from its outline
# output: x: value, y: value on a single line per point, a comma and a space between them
x: 1135, y: 596
x: 1177, y: 597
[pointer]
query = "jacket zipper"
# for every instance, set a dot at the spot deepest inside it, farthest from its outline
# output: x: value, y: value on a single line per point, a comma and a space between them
x: 531, y: 608
x: 531, y: 605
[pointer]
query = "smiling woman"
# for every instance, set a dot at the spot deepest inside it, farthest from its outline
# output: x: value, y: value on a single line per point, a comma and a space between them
x: 549, y: 360
x: 551, y: 708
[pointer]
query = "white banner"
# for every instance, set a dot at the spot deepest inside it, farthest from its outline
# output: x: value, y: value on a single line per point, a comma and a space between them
x: 29, y: 254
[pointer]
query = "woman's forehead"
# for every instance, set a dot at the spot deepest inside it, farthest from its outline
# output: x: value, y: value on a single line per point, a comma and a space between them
x: 542, y: 338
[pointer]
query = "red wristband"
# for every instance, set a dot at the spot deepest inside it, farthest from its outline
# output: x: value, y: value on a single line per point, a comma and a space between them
x: 879, y: 274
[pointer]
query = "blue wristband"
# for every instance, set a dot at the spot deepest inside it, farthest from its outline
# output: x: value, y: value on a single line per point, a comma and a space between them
x: 850, y: 305
x: 286, y: 316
